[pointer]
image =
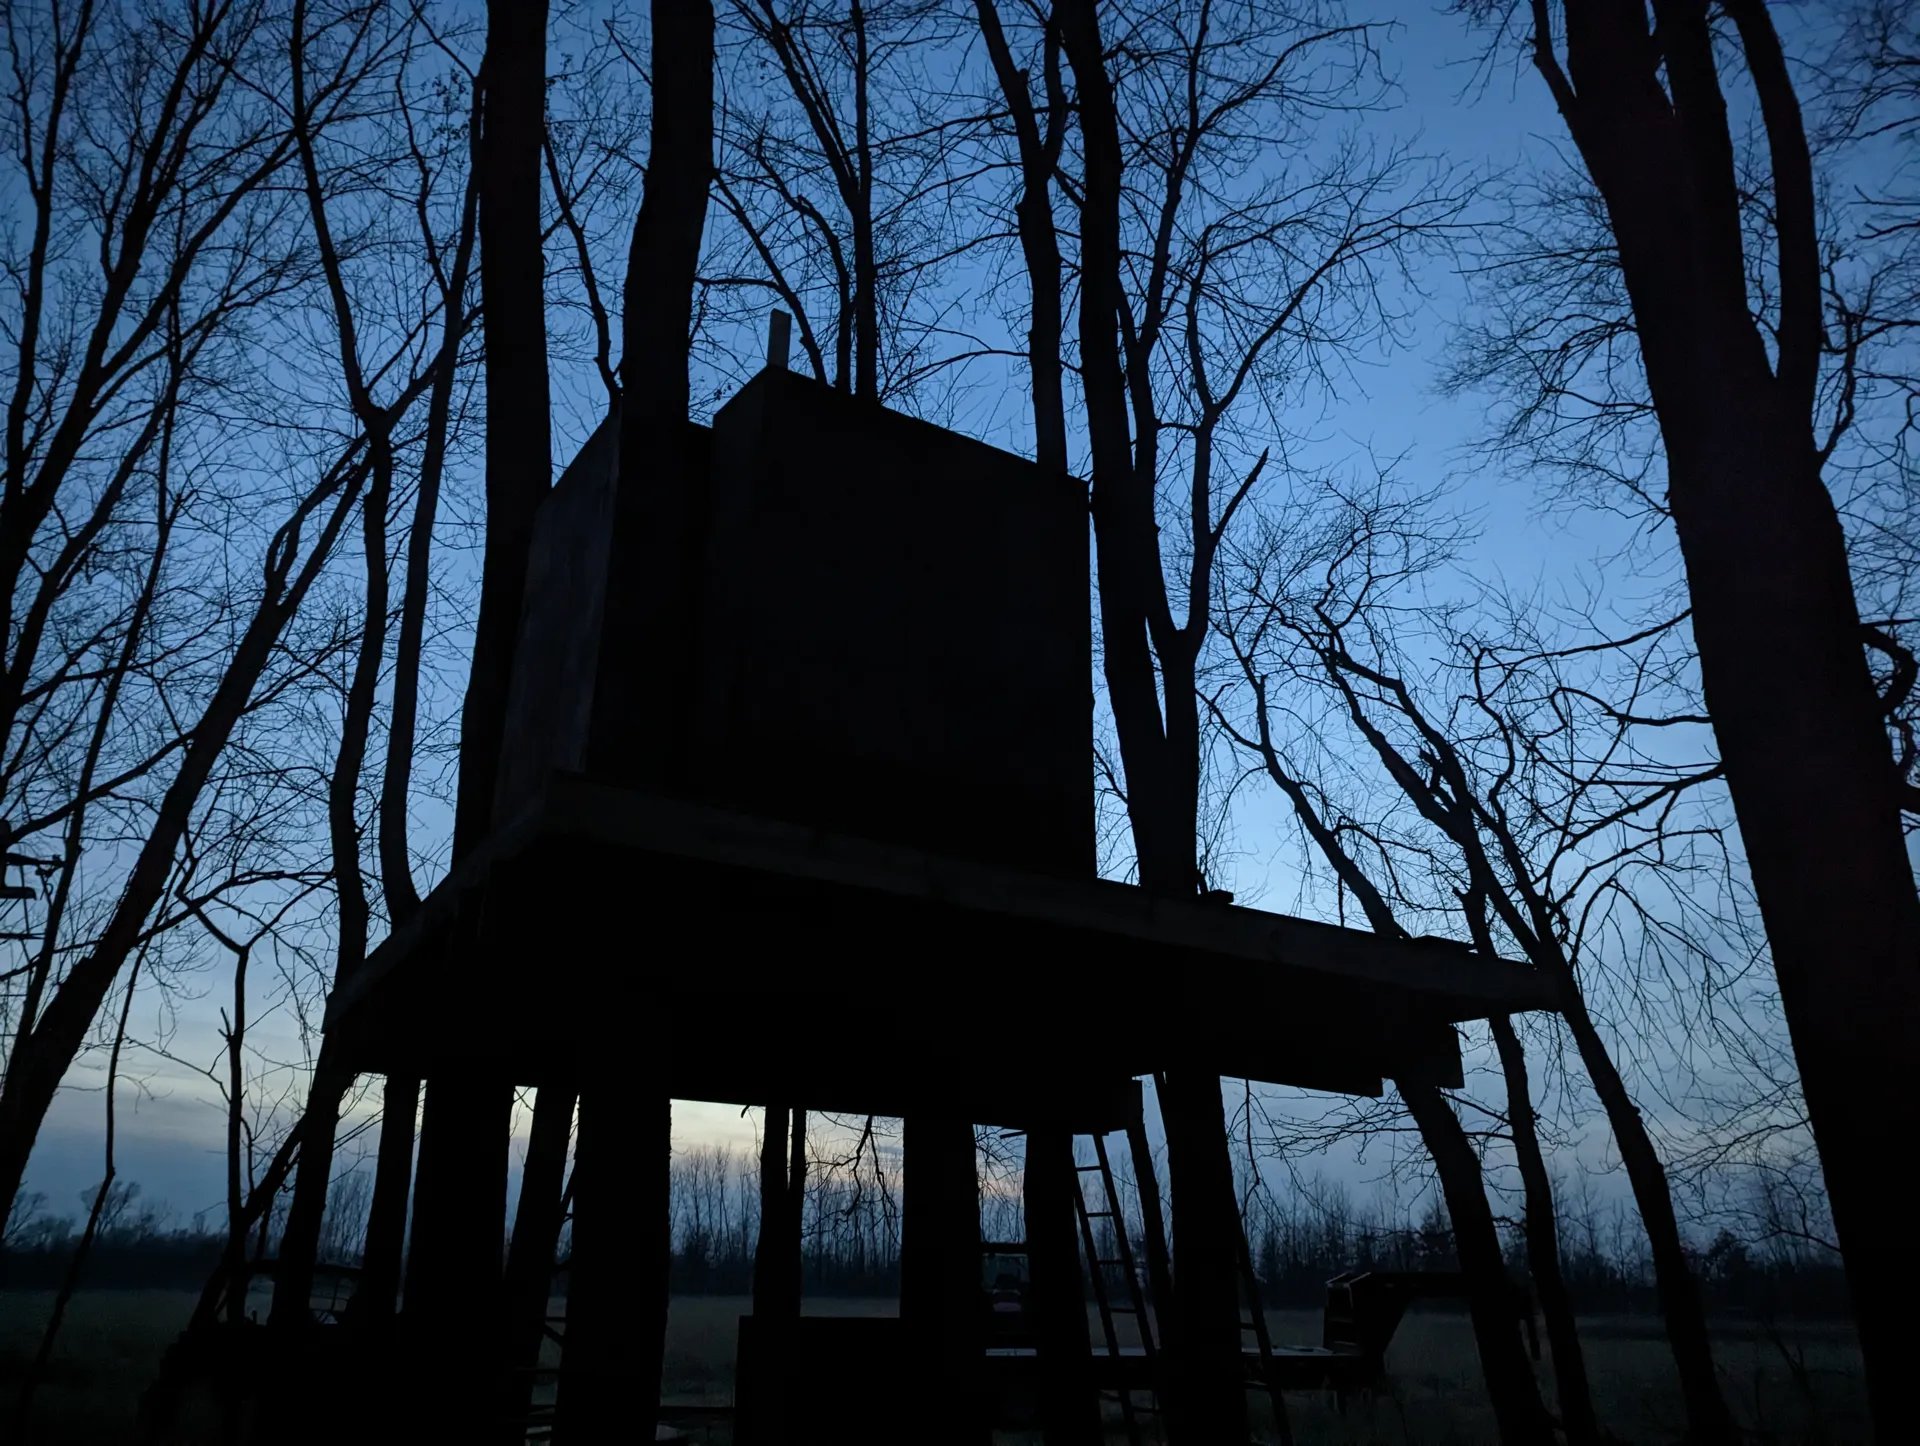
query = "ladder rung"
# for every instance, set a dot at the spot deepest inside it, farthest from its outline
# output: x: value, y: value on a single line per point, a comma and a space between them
x: 1086, y: 1169
x: 1099, y: 1215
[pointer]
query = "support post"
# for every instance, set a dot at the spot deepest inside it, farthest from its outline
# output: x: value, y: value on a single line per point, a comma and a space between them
x: 1208, y: 1386
x: 1069, y: 1403
x: 941, y: 1305
x: 766, y: 1401
x: 454, y: 1268
x: 616, y: 1331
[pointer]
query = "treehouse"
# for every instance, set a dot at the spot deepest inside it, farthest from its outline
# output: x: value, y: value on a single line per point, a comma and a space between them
x: 836, y: 813
x: 796, y: 804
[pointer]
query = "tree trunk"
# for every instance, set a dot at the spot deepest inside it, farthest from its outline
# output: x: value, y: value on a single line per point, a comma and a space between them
x: 636, y: 732
x: 1775, y: 617
x: 1503, y: 1360
x: 519, y: 468
x: 774, y: 1255
x: 1575, y: 1396
x: 1069, y: 1403
x: 940, y: 1299
x: 393, y: 1175
x: 519, y: 448
x: 530, y: 1256
x: 616, y: 1331
x: 769, y: 1416
x: 639, y: 719
x: 380, y: 1265
x: 1816, y: 792
x: 1125, y: 531
x: 1154, y: 1227
x: 1039, y: 240
x: 1207, y: 1377
x: 797, y: 1204
x: 454, y: 1276
x: 1681, y: 1307
x: 866, y: 271
x: 300, y: 1241
x: 313, y: 1180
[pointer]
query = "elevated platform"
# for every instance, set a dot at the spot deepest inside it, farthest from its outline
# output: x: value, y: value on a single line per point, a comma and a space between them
x: 748, y: 959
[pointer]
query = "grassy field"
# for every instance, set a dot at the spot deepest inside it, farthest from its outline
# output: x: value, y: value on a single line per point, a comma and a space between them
x: 113, y: 1340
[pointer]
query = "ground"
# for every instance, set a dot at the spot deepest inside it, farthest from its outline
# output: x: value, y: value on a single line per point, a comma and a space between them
x: 1798, y: 1385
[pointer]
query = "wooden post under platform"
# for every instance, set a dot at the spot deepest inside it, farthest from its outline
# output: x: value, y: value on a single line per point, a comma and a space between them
x: 453, y: 1295
x: 616, y: 1330
x: 1207, y: 1379
x: 941, y: 1307
x: 1069, y: 1407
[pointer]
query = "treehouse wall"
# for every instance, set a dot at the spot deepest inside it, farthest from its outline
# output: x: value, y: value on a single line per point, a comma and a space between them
x: 891, y: 624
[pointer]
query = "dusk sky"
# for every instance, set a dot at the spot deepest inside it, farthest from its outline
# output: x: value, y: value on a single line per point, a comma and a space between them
x: 1493, y: 120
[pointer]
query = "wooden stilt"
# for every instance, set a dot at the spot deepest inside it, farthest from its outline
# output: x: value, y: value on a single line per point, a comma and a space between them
x: 941, y: 1308
x: 1208, y: 1395
x: 617, y: 1287
x: 1069, y: 1405
x: 454, y: 1267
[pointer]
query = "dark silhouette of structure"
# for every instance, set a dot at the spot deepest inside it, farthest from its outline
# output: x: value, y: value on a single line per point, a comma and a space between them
x: 852, y: 799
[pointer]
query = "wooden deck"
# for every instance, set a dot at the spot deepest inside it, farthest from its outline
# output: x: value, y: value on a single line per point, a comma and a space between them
x: 764, y: 942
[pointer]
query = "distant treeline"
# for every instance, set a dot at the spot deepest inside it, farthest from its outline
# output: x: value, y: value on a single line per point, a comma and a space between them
x: 851, y: 1235
x: 1297, y: 1246
x: 137, y: 1245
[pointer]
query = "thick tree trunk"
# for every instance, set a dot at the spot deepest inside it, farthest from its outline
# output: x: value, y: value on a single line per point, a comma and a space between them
x: 796, y: 1217
x: 460, y: 1203
x: 1543, y: 1245
x: 519, y: 447
x: 1207, y: 1379
x: 519, y: 473
x: 1207, y: 1386
x: 636, y: 733
x: 1774, y: 614
x: 1503, y: 1360
x: 616, y: 1330
x: 639, y: 717
x: 1816, y: 792
x: 1125, y: 531
x: 769, y: 1415
x: 940, y: 1298
x: 454, y: 1268
x: 776, y: 1255
x: 1069, y: 1404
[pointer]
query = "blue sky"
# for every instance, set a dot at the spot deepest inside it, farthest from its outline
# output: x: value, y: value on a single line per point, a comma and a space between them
x: 1497, y: 121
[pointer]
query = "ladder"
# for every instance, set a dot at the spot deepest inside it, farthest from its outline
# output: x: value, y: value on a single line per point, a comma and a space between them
x: 1256, y: 1322
x: 1136, y: 1306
